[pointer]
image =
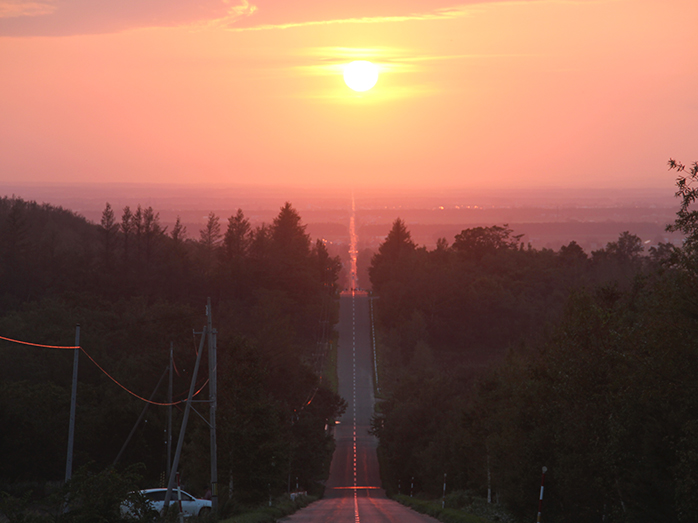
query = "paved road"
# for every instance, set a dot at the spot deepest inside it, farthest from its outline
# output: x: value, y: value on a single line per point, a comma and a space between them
x: 353, y: 493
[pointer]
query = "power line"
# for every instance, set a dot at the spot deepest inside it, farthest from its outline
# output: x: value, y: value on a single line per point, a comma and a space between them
x: 65, y: 347
x: 133, y: 393
x: 39, y: 344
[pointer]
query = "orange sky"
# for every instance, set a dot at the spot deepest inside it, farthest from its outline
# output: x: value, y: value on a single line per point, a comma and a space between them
x: 563, y: 93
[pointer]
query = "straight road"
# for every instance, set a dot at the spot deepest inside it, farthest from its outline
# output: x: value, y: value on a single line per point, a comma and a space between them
x: 353, y: 493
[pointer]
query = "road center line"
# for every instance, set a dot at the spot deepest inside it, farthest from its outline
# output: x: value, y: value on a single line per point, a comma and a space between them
x: 357, y: 518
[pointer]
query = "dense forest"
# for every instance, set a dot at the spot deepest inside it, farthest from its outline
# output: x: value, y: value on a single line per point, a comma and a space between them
x: 136, y: 288
x: 499, y: 360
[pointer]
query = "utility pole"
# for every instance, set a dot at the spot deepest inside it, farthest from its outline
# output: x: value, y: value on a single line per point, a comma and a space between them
x: 212, y: 391
x: 140, y: 418
x: 183, y: 428
x: 73, y: 402
x: 169, y: 415
x: 208, y: 334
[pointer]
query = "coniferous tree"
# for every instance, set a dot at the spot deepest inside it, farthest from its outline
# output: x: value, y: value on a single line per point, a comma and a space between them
x: 137, y: 224
x: 126, y: 227
x: 152, y: 231
x: 209, y: 239
x: 397, y: 246
x: 238, y: 237
x: 179, y: 232
x: 109, y: 229
x: 210, y: 236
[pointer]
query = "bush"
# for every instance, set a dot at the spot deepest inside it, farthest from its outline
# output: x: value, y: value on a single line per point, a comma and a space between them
x: 453, y: 515
x: 282, y: 507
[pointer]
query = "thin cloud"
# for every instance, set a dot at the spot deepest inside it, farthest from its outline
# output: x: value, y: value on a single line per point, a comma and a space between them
x: 442, y: 15
x: 328, y: 61
x: 75, y: 17
x: 376, y: 96
x: 78, y: 17
x: 331, y: 61
x: 400, y: 11
x: 20, y: 8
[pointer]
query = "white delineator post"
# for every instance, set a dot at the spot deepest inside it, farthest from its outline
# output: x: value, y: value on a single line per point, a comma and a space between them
x: 179, y: 499
x: 540, y: 500
x: 489, y: 480
x: 443, y: 498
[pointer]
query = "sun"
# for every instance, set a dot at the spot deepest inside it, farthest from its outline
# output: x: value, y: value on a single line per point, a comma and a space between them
x: 361, y: 75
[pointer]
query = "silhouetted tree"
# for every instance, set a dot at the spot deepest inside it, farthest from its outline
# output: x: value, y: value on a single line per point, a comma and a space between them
x: 210, y: 236
x: 179, y: 232
x: 109, y: 229
x: 152, y: 231
x: 209, y: 239
x: 238, y: 237
x: 478, y: 242
x: 397, y: 247
x: 686, y: 217
x: 15, y: 246
x: 137, y: 225
x: 627, y: 249
x: 572, y: 254
x: 126, y: 227
x: 291, y: 242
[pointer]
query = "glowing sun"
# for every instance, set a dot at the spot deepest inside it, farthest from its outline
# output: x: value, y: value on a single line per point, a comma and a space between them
x: 361, y: 75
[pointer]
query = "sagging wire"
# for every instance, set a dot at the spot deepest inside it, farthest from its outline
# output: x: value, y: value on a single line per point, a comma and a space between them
x: 66, y: 347
x: 39, y: 344
x: 164, y: 404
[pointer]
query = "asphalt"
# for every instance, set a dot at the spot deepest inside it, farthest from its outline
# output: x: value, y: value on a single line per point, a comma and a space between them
x: 353, y: 491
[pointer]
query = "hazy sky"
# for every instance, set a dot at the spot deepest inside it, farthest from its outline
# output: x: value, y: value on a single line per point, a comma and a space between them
x: 563, y: 93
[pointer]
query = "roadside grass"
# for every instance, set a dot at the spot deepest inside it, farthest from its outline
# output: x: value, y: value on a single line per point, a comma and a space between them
x: 463, y: 509
x: 281, y: 507
x: 378, y: 361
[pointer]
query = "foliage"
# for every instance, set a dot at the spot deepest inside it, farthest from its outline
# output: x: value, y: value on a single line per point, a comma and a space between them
x: 582, y: 364
x: 686, y: 217
x: 397, y: 246
x: 479, y: 242
x: 18, y: 510
x: 434, y: 509
x: 135, y: 290
x: 456, y: 302
x: 93, y: 497
x: 280, y: 507
x: 87, y: 497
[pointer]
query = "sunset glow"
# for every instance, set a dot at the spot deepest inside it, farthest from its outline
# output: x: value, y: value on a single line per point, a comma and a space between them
x: 458, y: 235
x: 531, y: 94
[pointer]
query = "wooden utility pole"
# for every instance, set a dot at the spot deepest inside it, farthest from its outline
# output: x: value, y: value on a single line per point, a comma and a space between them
x: 169, y: 414
x: 140, y: 418
x: 208, y: 334
x: 212, y: 391
x: 73, y: 402
x: 183, y: 428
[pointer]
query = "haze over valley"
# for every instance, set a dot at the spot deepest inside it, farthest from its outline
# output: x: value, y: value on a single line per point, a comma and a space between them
x: 546, y: 218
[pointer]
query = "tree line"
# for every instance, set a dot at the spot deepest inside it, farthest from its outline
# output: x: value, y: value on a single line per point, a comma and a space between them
x: 501, y: 359
x: 135, y: 288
